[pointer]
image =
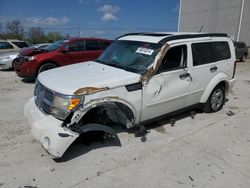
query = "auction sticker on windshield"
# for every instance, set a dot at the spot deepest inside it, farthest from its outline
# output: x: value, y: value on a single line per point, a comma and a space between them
x: 144, y: 51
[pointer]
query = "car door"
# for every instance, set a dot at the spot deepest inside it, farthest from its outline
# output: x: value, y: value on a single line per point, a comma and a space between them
x: 92, y: 50
x: 208, y: 59
x: 73, y: 52
x: 168, y: 90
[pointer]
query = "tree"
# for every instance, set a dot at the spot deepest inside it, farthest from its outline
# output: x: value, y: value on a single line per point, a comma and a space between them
x: 36, y: 35
x: 15, y: 29
x: 53, y: 36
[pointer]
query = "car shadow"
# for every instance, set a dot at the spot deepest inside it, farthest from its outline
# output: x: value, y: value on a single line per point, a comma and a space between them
x: 85, y: 143
x: 91, y: 141
x: 6, y: 70
x: 28, y: 80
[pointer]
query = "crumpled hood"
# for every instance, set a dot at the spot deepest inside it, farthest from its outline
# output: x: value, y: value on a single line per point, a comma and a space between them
x: 31, y: 51
x: 66, y: 80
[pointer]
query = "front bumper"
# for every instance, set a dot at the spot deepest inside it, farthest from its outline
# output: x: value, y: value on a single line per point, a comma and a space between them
x: 25, y: 69
x: 6, y: 63
x: 48, y: 130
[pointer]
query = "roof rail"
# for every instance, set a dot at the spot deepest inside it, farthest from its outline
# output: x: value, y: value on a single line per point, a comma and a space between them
x: 145, y: 34
x: 188, y: 36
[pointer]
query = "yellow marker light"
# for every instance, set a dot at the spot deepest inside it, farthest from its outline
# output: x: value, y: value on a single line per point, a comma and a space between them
x: 73, y: 103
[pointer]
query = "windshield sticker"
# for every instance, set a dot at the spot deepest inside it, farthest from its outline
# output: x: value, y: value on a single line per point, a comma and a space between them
x: 144, y: 51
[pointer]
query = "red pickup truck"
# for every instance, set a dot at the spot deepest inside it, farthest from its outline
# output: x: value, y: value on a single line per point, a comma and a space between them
x: 31, y: 61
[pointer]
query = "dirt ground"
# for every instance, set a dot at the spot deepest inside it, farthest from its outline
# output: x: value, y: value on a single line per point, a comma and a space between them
x: 203, y: 150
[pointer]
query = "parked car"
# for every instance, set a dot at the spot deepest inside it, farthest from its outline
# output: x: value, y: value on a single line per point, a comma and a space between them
x: 139, y: 77
x: 7, y: 60
x: 31, y: 61
x: 241, y: 50
x: 40, y: 45
x: 11, y: 45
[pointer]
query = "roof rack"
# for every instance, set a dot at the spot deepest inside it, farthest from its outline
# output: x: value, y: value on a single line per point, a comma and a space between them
x: 145, y: 34
x: 169, y: 37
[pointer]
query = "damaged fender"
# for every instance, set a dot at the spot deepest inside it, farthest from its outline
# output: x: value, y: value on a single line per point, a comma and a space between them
x: 114, y: 111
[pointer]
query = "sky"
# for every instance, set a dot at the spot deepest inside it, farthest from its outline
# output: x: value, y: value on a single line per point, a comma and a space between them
x: 92, y: 18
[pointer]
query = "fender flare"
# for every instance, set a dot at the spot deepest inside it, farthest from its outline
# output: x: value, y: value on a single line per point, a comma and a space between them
x: 221, y: 77
x: 99, y: 127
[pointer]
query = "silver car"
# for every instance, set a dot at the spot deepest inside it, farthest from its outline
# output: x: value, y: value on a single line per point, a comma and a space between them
x: 7, y: 60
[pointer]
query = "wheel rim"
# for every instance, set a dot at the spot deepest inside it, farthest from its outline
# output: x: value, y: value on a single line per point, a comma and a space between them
x: 217, y: 99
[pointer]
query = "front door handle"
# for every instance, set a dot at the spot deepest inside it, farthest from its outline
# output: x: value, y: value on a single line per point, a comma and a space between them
x: 185, y: 75
x: 213, y: 69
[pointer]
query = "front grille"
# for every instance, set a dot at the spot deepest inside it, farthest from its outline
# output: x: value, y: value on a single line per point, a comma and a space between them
x: 44, y: 98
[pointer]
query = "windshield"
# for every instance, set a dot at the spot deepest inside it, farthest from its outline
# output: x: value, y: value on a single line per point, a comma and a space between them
x: 56, y: 45
x: 133, y: 56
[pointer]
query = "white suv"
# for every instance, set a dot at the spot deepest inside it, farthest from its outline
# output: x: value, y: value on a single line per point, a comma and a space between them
x: 140, y: 76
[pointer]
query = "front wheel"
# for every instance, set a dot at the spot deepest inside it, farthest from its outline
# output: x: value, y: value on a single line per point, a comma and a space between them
x: 216, y: 100
x: 46, y: 66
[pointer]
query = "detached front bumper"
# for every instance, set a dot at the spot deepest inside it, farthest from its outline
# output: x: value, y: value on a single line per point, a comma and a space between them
x: 48, y: 130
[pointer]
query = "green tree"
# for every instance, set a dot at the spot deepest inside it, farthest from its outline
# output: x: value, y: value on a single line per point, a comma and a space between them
x: 53, y: 36
x: 36, y: 35
x: 15, y: 29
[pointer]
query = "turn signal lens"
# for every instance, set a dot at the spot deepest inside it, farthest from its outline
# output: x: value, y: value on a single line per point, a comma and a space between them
x: 73, y: 103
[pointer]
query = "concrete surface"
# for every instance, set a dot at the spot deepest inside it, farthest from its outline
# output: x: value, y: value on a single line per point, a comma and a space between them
x: 209, y: 150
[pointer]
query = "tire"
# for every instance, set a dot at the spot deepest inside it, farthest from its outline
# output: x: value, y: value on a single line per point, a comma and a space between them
x: 46, y: 66
x: 216, y: 100
x: 243, y: 58
x: 13, y: 62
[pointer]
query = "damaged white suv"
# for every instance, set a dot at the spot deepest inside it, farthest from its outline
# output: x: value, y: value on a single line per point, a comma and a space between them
x: 140, y: 76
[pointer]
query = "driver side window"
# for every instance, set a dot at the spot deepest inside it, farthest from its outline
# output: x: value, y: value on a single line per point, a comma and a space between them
x: 76, y: 46
x: 175, y: 58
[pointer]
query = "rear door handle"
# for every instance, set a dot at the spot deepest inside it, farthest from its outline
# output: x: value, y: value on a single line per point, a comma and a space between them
x: 213, y: 69
x: 185, y: 75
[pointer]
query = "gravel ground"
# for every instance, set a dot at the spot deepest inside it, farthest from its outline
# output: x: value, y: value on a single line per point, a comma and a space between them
x: 206, y: 150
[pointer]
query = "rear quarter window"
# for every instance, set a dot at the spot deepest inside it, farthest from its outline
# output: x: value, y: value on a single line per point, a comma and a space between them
x: 221, y: 51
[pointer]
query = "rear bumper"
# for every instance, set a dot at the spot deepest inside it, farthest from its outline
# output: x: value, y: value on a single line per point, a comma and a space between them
x: 231, y: 84
x: 48, y: 130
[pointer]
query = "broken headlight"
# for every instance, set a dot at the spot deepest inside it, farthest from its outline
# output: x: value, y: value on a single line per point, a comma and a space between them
x: 63, y: 105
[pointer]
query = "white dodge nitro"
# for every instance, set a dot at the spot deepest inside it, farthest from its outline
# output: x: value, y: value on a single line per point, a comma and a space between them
x: 140, y: 76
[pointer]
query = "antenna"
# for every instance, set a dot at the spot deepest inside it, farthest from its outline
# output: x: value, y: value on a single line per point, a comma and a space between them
x: 201, y: 29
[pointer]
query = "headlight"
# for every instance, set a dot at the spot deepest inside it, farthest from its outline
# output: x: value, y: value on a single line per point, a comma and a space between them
x: 31, y: 58
x: 66, y: 103
x: 62, y: 105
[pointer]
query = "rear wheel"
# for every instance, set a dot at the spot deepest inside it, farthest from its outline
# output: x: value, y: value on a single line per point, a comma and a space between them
x: 216, y: 100
x: 46, y: 66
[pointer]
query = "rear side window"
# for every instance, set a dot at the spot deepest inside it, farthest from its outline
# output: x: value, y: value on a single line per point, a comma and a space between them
x: 21, y: 44
x: 221, y: 51
x: 92, y: 45
x: 202, y: 53
x: 104, y: 44
x: 5, y: 45
x: 76, y: 46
